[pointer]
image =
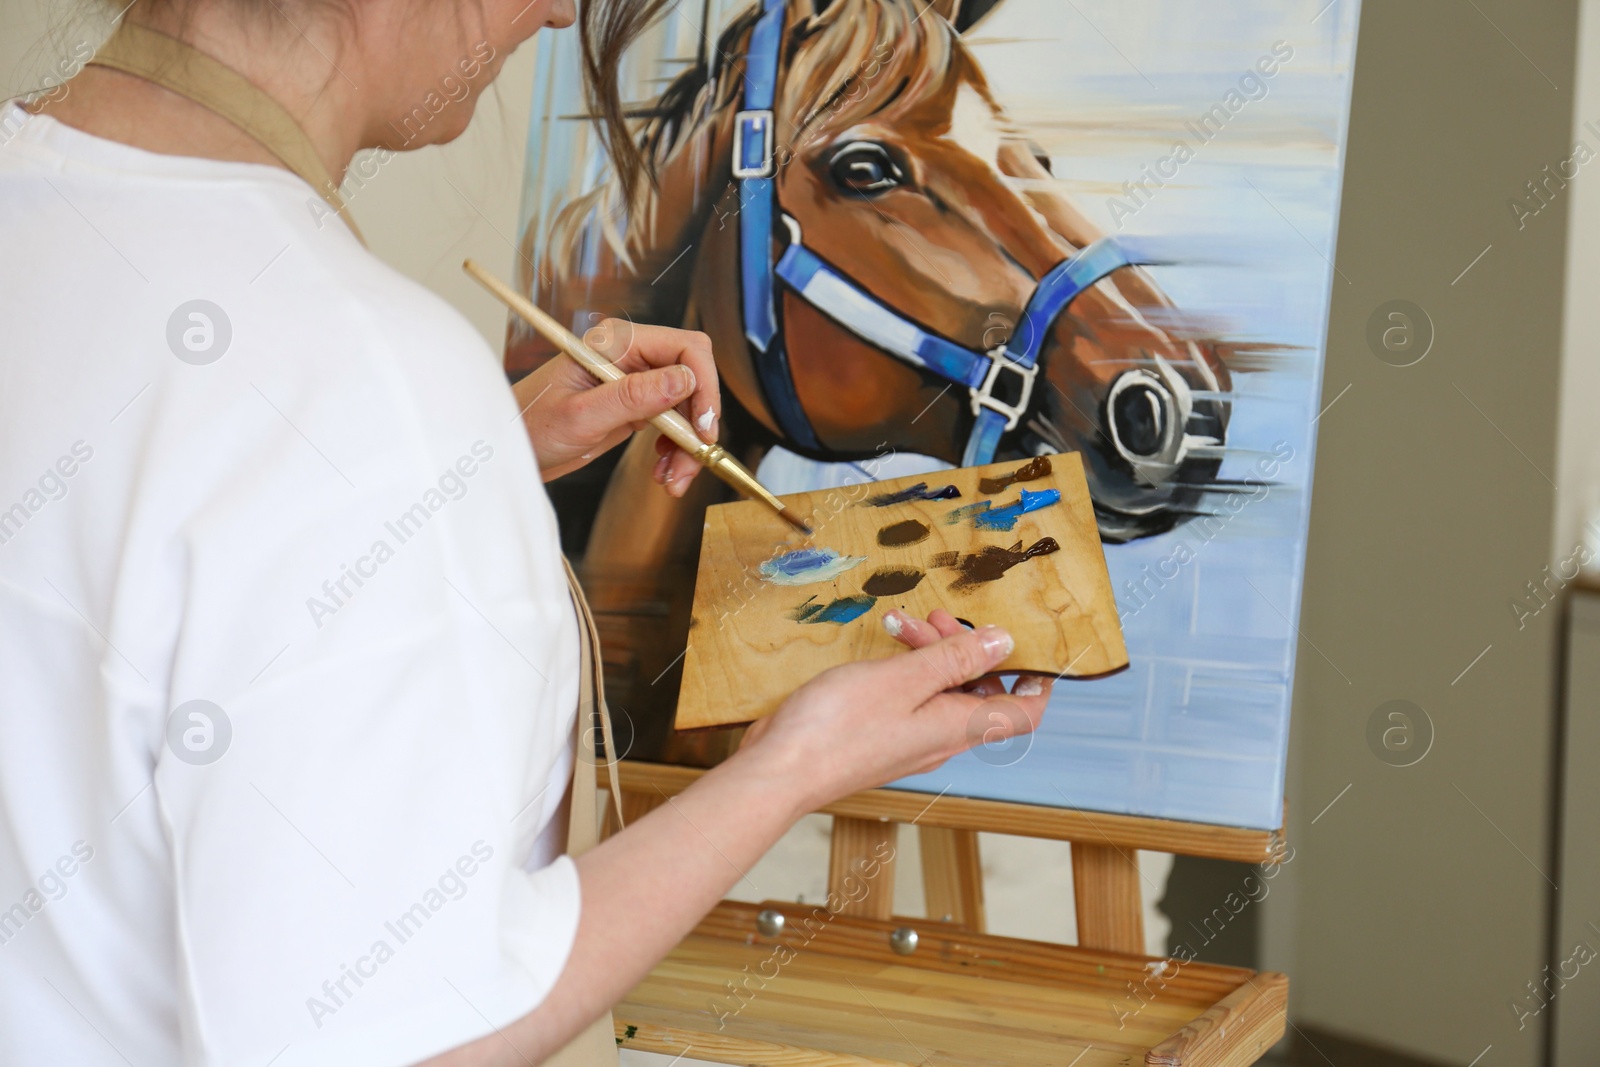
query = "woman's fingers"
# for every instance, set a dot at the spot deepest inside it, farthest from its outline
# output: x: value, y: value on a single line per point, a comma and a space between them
x: 910, y: 630
x: 636, y: 399
x: 674, y: 468
x: 916, y: 633
x: 862, y: 724
x: 987, y: 687
x: 948, y: 626
x: 946, y: 664
x: 1000, y: 718
x: 611, y: 410
x: 571, y: 417
x: 644, y: 352
x: 635, y: 348
x: 1033, y: 685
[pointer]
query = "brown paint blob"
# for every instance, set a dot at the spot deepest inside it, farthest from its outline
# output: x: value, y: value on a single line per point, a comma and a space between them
x: 945, y: 559
x: 991, y: 562
x: 899, y: 534
x: 891, y: 581
x: 1035, y: 468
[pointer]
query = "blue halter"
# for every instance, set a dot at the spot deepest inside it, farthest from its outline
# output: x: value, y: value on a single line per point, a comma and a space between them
x: 841, y: 299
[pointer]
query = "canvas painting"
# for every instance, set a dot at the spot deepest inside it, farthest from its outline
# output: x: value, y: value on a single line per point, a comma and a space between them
x: 925, y: 235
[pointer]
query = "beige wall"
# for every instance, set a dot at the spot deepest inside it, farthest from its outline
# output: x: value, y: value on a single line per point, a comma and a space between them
x: 428, y: 210
x: 1417, y: 908
x: 423, y: 211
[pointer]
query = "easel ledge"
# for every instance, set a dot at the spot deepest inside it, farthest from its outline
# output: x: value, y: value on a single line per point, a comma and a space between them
x: 1001, y: 817
x: 852, y: 985
x: 831, y: 993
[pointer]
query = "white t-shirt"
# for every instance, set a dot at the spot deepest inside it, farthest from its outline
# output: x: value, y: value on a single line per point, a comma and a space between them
x: 246, y: 466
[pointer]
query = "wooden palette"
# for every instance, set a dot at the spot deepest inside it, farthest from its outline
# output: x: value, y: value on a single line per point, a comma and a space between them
x: 753, y: 641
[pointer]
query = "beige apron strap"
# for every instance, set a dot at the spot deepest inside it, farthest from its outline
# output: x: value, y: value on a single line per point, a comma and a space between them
x: 593, y: 715
x: 189, y: 72
x: 597, y: 1045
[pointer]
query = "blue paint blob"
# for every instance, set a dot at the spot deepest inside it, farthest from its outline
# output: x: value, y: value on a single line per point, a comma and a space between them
x: 806, y: 565
x: 1006, y: 518
x: 920, y: 491
x: 840, y: 611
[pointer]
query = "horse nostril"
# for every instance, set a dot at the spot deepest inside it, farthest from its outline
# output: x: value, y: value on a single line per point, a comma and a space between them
x: 1139, y: 415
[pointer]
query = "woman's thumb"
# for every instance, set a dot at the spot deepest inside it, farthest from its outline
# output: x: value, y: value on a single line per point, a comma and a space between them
x: 953, y: 661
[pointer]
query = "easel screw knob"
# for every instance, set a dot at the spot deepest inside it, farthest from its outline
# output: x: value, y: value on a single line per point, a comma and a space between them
x: 770, y: 923
x: 903, y: 941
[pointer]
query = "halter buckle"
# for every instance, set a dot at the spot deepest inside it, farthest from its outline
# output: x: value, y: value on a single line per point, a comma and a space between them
x: 752, y: 144
x: 983, y: 396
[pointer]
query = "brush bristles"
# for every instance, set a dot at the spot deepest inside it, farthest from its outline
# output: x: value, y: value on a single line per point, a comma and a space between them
x: 793, y: 519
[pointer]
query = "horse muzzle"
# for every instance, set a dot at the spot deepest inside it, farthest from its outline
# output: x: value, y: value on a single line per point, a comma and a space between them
x: 1157, y: 427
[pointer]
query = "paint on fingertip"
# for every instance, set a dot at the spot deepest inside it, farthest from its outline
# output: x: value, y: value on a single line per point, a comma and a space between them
x: 892, y: 623
x: 1028, y: 687
x: 707, y: 419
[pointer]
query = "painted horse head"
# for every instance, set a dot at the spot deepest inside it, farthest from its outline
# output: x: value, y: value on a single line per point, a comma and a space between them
x: 883, y: 259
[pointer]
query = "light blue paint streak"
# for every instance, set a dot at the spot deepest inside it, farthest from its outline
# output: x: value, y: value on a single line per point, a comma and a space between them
x: 803, y: 566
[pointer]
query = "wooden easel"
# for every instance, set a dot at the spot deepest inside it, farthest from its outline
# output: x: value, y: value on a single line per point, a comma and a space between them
x: 830, y: 990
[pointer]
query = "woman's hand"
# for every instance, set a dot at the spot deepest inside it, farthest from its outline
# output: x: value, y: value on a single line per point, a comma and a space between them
x: 863, y: 724
x: 571, y: 417
x: 849, y: 729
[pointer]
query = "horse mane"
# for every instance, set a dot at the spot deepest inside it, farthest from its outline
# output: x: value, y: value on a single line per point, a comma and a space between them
x: 853, y: 60
x: 846, y: 36
x: 871, y: 59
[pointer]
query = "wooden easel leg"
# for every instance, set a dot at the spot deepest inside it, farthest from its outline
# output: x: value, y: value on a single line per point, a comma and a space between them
x: 861, y: 866
x: 1105, y: 883
x: 952, y: 876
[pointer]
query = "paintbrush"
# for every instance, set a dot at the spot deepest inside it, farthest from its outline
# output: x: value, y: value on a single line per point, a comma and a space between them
x: 670, y: 423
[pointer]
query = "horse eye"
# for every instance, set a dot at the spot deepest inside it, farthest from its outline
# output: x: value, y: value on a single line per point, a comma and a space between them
x: 866, y: 168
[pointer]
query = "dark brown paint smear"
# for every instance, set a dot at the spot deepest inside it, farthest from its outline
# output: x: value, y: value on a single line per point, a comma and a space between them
x: 991, y: 562
x: 1035, y: 468
x: 891, y: 581
x: 899, y: 534
x: 945, y: 559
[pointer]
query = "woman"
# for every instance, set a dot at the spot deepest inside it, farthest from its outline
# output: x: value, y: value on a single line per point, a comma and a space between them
x: 288, y: 664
